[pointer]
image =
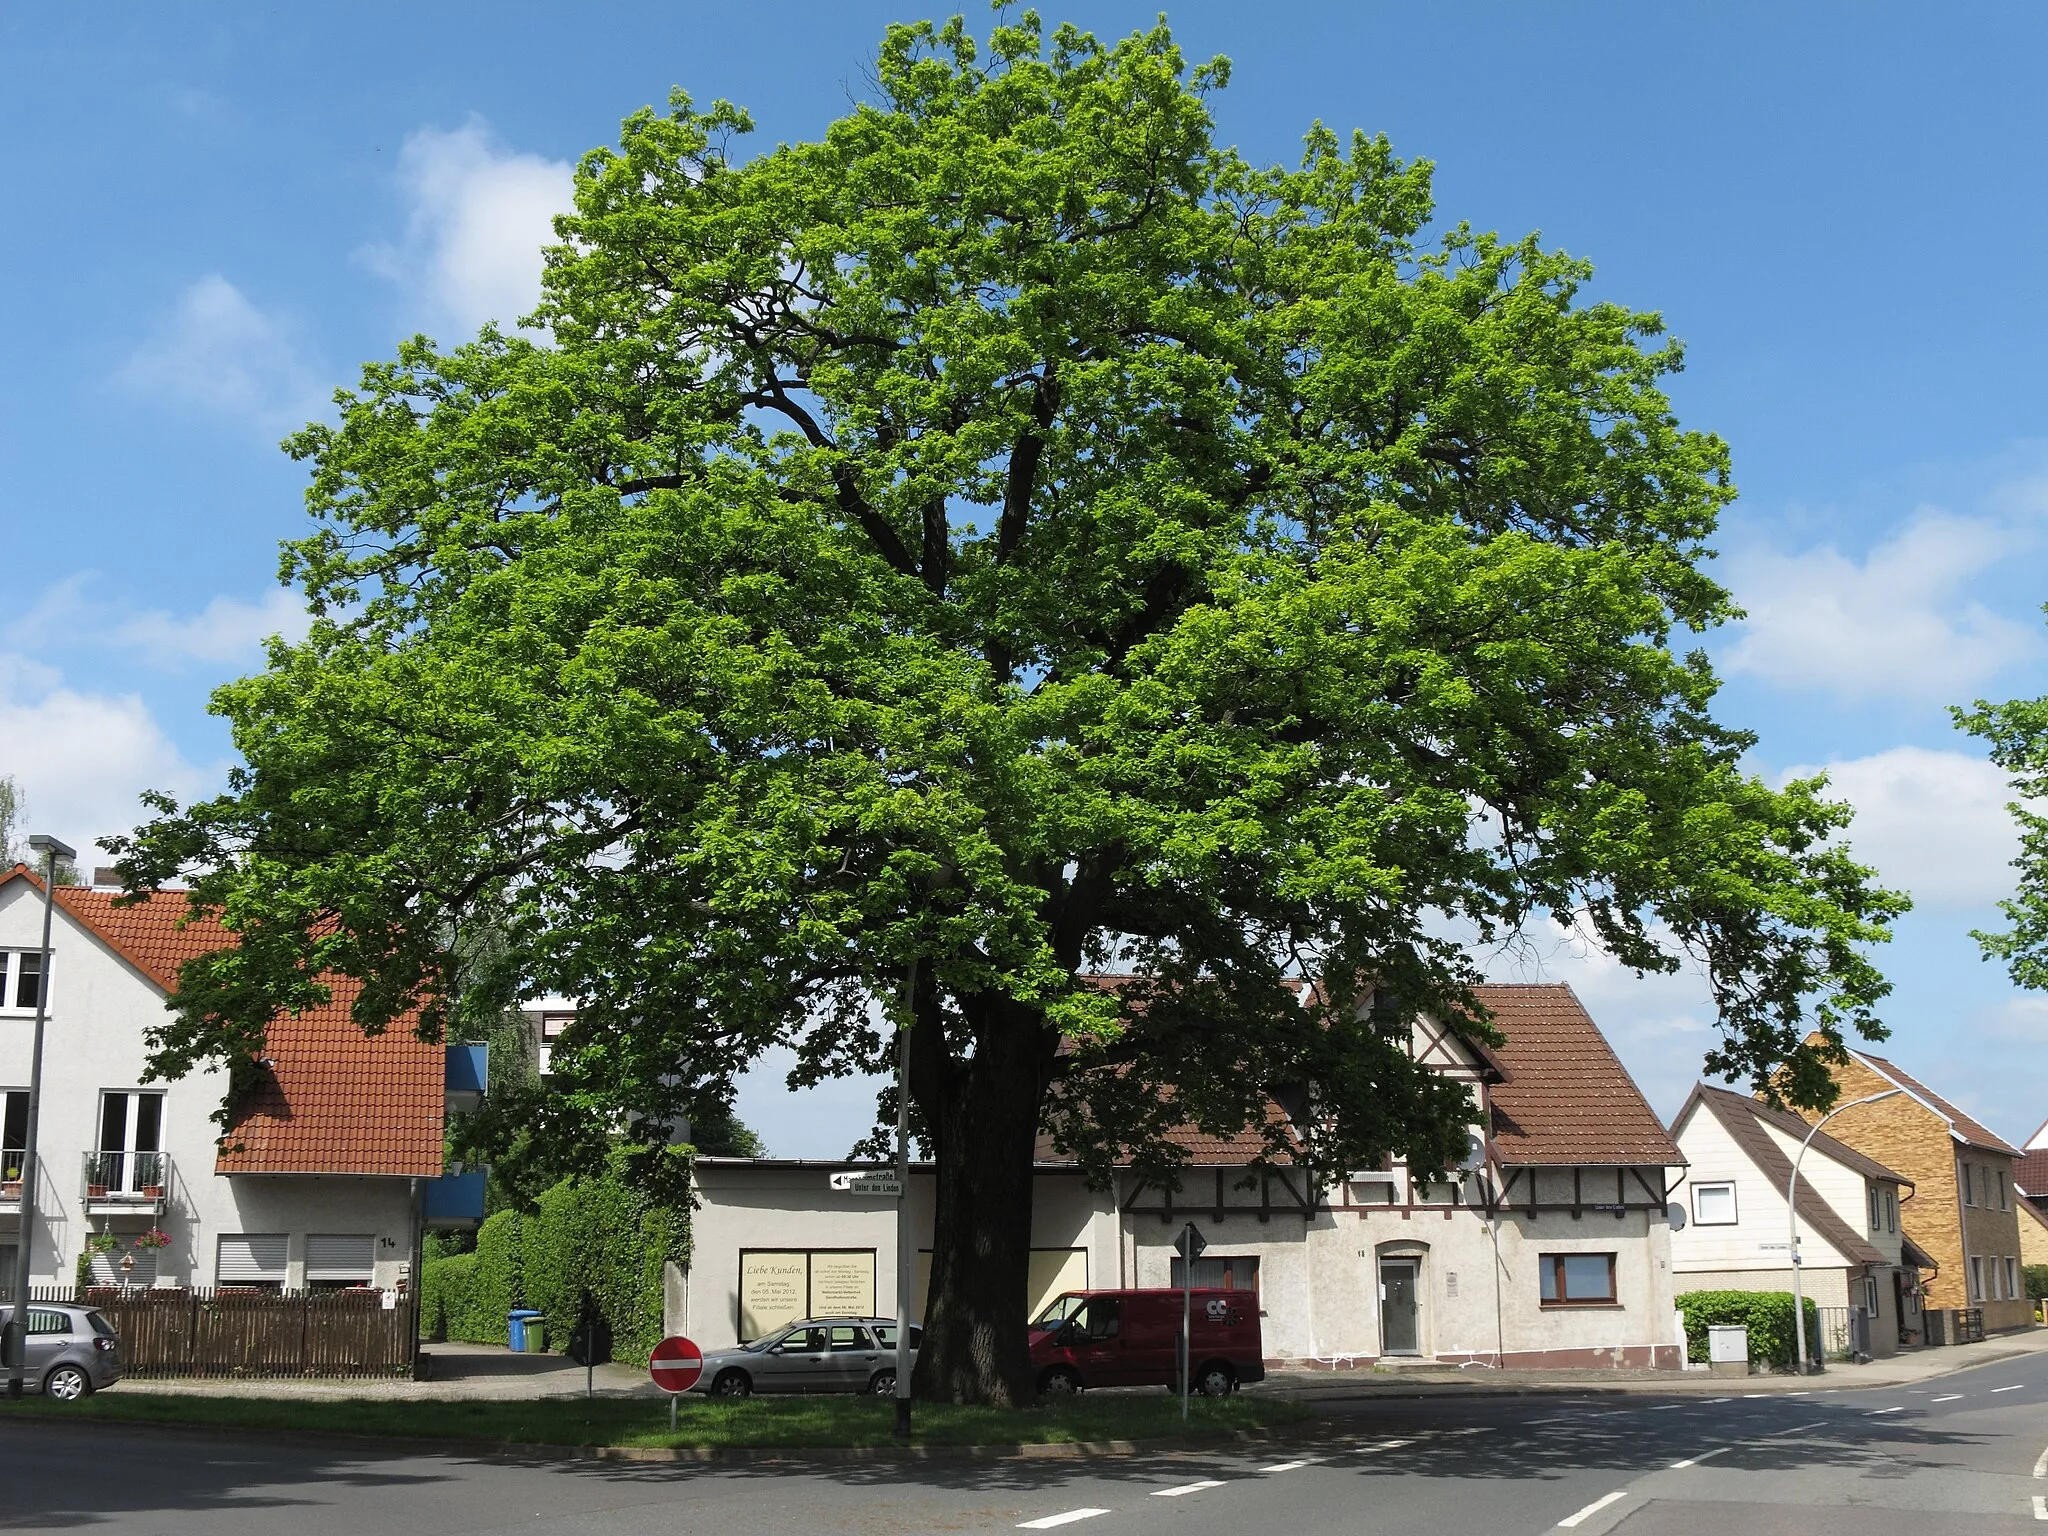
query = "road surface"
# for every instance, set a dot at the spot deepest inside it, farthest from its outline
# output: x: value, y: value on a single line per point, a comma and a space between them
x: 1966, y: 1453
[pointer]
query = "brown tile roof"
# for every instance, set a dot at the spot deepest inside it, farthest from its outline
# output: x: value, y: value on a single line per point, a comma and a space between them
x: 1971, y: 1132
x: 1567, y: 1099
x: 1744, y: 1120
x: 333, y: 1100
x: 1563, y: 1098
x: 2031, y: 1174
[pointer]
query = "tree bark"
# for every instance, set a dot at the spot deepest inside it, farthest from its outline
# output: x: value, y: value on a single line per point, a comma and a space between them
x: 984, y: 1115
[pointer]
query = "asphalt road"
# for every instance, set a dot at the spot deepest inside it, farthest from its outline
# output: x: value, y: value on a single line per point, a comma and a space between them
x: 1957, y: 1455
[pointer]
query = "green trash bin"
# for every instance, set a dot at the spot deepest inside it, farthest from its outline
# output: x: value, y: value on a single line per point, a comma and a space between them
x: 524, y: 1332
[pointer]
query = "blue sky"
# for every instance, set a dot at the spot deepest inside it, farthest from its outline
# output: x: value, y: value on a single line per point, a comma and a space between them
x: 221, y: 211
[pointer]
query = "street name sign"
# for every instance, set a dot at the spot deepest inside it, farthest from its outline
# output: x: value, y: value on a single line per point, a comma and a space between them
x: 867, y: 1184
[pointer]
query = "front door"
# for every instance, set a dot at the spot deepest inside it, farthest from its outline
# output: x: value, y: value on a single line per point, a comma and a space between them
x: 1400, y: 1332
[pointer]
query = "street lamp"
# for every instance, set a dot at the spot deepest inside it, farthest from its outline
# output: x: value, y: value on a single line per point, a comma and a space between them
x: 1792, y: 1216
x: 17, y: 1327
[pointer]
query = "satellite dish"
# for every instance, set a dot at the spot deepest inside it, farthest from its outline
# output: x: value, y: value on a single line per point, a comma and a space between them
x: 1475, y: 1153
x: 1675, y: 1214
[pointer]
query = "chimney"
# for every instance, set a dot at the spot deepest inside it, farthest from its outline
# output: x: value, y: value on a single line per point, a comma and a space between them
x: 106, y: 877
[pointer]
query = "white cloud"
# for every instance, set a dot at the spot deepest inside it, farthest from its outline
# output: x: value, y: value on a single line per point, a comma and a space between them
x: 82, y: 759
x: 219, y: 351
x: 225, y: 630
x: 1932, y: 823
x: 1898, y: 623
x: 479, y: 216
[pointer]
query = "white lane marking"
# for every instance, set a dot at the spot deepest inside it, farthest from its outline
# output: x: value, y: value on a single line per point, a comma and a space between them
x: 1895, y: 1408
x: 1066, y: 1519
x: 1289, y: 1466
x: 1756, y: 1394
x: 1720, y: 1399
x: 1693, y: 1461
x: 2040, y: 1507
x: 2041, y: 1465
x: 1592, y: 1509
x: 1474, y: 1429
x: 1383, y: 1445
x: 1802, y: 1392
x: 2013, y: 1388
x: 1174, y: 1493
x: 1816, y: 1424
x: 1667, y: 1407
x: 1952, y: 1397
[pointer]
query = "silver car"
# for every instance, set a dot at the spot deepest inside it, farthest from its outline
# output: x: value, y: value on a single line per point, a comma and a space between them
x: 71, y: 1350
x: 819, y: 1354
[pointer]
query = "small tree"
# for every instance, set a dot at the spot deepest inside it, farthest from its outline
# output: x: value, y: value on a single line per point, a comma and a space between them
x: 1009, y: 538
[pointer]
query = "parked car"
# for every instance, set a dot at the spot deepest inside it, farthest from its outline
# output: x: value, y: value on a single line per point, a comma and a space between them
x: 72, y: 1351
x: 819, y: 1354
x: 1132, y: 1339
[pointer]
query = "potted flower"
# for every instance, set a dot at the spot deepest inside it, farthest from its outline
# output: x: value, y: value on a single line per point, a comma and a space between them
x: 155, y: 1237
x: 10, y: 1182
x: 102, y: 1242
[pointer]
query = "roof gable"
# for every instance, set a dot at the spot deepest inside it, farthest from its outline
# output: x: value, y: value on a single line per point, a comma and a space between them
x: 1566, y: 1099
x: 333, y: 1100
x: 1744, y: 1119
x: 1962, y: 1127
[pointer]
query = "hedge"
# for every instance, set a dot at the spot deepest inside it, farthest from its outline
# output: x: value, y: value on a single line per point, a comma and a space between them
x: 1766, y: 1314
x: 595, y: 1238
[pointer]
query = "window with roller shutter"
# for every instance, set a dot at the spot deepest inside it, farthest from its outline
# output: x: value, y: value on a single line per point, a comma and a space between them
x: 252, y: 1258
x: 336, y: 1260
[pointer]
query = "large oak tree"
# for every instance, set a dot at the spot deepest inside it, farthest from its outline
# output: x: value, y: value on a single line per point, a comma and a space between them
x: 1011, y: 538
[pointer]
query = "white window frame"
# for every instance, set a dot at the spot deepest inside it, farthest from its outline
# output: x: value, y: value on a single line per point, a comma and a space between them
x: 2012, y: 1279
x: 10, y: 976
x: 1734, y: 1217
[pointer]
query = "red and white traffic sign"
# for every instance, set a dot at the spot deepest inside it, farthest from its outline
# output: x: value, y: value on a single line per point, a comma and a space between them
x: 676, y: 1364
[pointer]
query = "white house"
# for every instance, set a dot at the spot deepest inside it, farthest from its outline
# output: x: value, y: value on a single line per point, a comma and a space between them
x: 323, y: 1180
x: 1853, y: 1253
x: 1551, y: 1250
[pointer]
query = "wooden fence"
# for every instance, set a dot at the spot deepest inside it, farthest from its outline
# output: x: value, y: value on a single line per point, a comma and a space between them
x: 253, y: 1333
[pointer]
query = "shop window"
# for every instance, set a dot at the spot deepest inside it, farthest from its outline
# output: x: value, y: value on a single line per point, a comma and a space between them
x: 1576, y: 1279
x: 1219, y: 1274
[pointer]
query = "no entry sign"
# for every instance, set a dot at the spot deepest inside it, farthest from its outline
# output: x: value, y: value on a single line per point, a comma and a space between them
x: 676, y: 1364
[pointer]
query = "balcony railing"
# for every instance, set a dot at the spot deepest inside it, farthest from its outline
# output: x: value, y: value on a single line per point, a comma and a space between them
x: 126, y: 1178
x: 12, y: 1161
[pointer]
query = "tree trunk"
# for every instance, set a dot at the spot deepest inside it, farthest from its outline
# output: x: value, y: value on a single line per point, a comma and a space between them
x: 984, y: 1114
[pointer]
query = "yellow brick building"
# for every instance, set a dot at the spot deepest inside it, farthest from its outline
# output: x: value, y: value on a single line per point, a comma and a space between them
x: 1963, y: 1209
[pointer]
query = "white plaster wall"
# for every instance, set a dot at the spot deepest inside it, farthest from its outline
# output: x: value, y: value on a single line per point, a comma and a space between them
x: 99, y: 1010
x: 1845, y: 1189
x: 1760, y: 1211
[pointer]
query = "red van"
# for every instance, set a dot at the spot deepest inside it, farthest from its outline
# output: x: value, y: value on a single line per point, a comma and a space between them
x: 1132, y: 1339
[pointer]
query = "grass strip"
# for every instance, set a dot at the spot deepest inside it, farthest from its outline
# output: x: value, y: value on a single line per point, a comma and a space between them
x: 788, y: 1422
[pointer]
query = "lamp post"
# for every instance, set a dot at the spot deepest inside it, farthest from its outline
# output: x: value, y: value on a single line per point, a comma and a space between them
x: 17, y: 1326
x: 1792, y: 1216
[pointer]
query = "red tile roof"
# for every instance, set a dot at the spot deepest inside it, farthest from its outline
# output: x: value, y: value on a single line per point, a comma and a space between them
x: 1568, y: 1100
x: 2031, y: 1174
x: 333, y: 1100
x: 1971, y: 1132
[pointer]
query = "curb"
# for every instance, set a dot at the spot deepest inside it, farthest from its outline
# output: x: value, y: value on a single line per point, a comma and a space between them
x: 686, y: 1455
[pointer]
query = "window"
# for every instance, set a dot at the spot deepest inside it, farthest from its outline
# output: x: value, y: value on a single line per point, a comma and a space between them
x: 252, y: 1259
x: 1576, y: 1279
x: 1969, y: 1183
x: 1103, y: 1317
x: 108, y: 1268
x: 1891, y: 1209
x: 1870, y: 1294
x: 1713, y: 1205
x: 885, y: 1335
x: 1220, y: 1274
x: 21, y: 978
x: 43, y: 1322
x: 846, y: 1337
x: 1874, y: 1207
x: 2004, y: 1194
x: 13, y: 1133
x: 130, y: 1154
x: 553, y: 1025
x: 336, y: 1261
x: 1976, y: 1279
x: 2012, y: 1279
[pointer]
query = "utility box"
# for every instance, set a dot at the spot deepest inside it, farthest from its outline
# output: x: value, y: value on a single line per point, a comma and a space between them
x: 1728, y: 1351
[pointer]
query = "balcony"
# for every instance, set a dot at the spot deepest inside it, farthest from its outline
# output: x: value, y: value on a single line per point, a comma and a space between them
x: 467, y: 1077
x: 455, y: 1201
x: 120, y: 1183
x: 12, y: 1161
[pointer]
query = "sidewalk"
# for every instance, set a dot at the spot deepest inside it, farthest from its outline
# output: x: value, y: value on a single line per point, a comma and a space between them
x: 1447, y: 1381
x: 470, y: 1371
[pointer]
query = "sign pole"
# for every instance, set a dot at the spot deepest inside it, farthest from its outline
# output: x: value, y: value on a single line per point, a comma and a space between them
x: 906, y: 1249
x: 1187, y: 1314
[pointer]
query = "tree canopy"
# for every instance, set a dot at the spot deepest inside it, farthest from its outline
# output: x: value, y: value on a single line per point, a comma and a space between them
x: 1010, y: 539
x: 2018, y: 733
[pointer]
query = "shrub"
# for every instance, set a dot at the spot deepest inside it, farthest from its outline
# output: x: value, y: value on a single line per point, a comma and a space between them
x: 1766, y: 1314
x: 446, y: 1285
x: 495, y: 1277
x: 2036, y: 1277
